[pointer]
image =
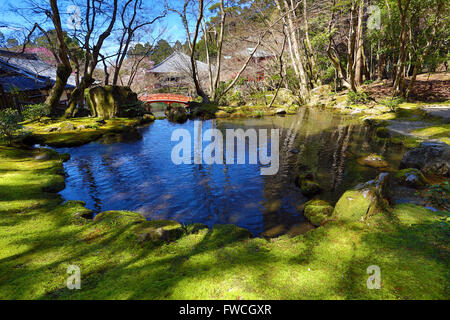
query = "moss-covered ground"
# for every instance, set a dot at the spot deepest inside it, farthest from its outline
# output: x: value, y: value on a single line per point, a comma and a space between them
x: 40, y: 237
x: 91, y: 130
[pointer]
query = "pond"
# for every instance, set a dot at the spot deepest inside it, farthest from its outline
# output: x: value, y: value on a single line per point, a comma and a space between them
x: 140, y: 175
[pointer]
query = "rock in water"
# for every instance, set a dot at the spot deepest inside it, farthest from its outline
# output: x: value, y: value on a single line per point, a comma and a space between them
x: 374, y: 161
x: 310, y: 188
x: 430, y: 157
x: 318, y: 211
x: 176, y: 114
x: 364, y: 200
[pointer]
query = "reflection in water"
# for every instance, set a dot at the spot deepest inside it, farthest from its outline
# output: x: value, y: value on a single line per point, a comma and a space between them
x: 140, y: 176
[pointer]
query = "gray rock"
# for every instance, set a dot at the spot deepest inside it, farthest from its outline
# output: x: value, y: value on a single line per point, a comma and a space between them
x: 430, y: 157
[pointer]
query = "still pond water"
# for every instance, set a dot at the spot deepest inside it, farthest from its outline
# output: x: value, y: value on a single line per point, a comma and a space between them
x: 140, y: 176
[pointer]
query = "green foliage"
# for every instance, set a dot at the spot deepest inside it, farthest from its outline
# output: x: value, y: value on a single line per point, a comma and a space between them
x: 392, y: 103
x: 35, y: 111
x: 9, y: 123
x: 357, y: 97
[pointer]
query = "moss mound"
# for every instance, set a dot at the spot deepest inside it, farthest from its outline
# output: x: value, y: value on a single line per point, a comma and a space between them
x: 318, y: 211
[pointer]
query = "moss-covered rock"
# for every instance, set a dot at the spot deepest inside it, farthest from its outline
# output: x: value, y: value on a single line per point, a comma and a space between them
x: 147, y: 118
x: 309, y: 188
x: 222, y: 114
x: 195, y: 228
x: 112, y: 101
x: 176, y: 114
x: 159, y: 230
x: 318, y: 211
x: 373, y: 160
x: 67, y: 126
x: 383, y: 132
x: 411, y: 177
x: 119, y: 218
x: 364, y: 200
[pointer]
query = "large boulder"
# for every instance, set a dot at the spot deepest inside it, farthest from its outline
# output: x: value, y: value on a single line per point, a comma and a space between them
x: 176, y: 114
x: 318, y: 211
x: 364, y: 200
x: 286, y: 98
x: 112, y: 101
x: 430, y: 157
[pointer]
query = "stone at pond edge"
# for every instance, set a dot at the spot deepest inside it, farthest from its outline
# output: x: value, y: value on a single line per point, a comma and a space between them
x: 373, y: 160
x: 176, y: 114
x: 147, y: 118
x: 431, y: 158
x: 382, y: 132
x: 411, y: 177
x: 159, y: 230
x: 195, y: 228
x: 119, y: 218
x: 318, y: 211
x: 364, y: 200
x: 309, y: 188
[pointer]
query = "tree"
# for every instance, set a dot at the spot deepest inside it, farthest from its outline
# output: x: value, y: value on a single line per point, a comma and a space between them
x: 94, y: 12
x: 131, y: 22
x: 9, y: 123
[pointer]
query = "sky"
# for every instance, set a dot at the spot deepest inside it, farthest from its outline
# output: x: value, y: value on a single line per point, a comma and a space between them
x: 172, y: 26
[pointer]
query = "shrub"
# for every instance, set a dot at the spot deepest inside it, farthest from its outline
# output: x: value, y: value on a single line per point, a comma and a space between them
x: 357, y: 97
x: 9, y: 123
x: 392, y: 103
x: 35, y: 111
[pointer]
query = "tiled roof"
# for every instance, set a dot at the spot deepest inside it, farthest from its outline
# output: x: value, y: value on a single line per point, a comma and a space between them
x: 31, y: 65
x: 178, y: 62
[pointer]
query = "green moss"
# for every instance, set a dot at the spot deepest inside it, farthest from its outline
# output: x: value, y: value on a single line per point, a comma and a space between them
x: 92, y: 131
x: 439, y: 132
x: 40, y: 238
x: 411, y: 177
x: 159, y: 230
x: 318, y: 211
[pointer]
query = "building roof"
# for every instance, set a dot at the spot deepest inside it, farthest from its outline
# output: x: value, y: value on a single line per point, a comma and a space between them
x: 178, y: 63
x: 31, y: 64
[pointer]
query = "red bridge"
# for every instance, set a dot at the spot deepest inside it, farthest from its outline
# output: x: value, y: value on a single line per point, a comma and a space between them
x: 167, y: 98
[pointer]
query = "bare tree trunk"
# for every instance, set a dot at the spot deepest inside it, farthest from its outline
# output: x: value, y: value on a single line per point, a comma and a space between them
x: 219, y: 50
x: 280, y: 59
x: 195, y: 78
x: 91, y: 61
x: 398, y: 87
x: 359, y: 62
x: 64, y: 69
